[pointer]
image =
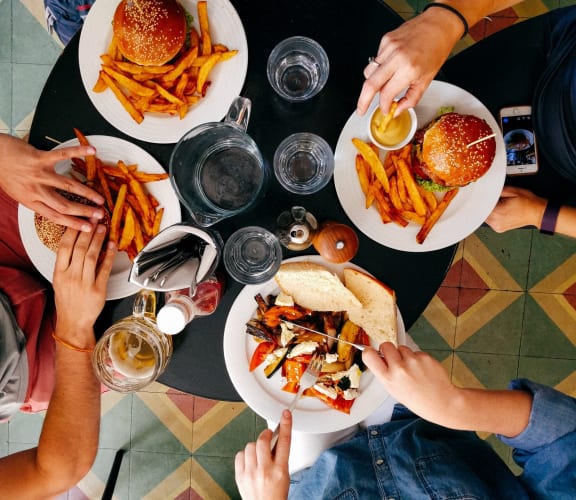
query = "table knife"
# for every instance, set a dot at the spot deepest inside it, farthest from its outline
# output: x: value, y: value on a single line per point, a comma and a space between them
x: 357, y: 346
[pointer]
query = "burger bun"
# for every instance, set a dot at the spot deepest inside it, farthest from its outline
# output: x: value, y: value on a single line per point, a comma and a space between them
x: 149, y: 32
x: 442, y: 155
x: 50, y: 233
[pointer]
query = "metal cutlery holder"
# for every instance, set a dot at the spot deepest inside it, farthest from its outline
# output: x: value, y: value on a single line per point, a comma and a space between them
x: 178, y: 257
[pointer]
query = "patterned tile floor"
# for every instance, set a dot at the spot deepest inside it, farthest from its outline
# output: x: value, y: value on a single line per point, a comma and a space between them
x: 507, y: 308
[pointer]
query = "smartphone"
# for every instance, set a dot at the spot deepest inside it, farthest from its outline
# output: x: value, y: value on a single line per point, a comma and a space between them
x: 519, y: 139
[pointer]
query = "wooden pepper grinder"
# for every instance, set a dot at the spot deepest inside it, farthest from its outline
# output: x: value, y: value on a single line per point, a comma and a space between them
x: 336, y: 242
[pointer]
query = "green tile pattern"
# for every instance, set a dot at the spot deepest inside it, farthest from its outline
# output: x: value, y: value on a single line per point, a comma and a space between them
x: 148, y: 433
x: 5, y: 96
x: 511, y: 249
x: 502, y: 334
x: 5, y: 31
x: 547, y: 254
x: 25, y: 49
x: 541, y: 336
x: 28, y: 80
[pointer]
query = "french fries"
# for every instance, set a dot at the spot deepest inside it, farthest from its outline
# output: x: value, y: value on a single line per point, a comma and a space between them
x: 136, y: 215
x: 401, y: 200
x: 172, y: 88
x: 383, y: 126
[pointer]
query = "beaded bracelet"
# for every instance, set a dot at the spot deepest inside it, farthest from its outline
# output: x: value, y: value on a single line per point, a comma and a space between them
x: 548, y: 224
x: 451, y: 9
x: 70, y: 346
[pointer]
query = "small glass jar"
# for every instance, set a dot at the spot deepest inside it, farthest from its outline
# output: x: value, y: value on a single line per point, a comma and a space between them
x: 182, y: 306
x: 296, y: 228
x: 133, y: 352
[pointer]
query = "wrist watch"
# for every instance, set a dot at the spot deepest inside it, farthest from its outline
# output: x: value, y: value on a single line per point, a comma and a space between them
x: 548, y: 224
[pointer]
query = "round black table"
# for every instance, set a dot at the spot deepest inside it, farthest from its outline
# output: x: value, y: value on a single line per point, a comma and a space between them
x: 350, y: 33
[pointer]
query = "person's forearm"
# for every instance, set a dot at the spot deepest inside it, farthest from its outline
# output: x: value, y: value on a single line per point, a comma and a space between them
x: 500, y: 412
x: 72, y: 421
x: 475, y: 10
x: 69, y: 439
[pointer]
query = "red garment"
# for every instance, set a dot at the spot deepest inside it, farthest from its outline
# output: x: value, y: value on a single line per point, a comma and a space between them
x: 32, y: 304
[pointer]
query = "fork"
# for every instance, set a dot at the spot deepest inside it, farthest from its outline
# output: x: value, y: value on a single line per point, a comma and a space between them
x: 308, y: 379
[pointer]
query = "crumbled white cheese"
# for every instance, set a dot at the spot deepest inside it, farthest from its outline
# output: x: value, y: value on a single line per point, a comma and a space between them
x: 307, y: 347
x: 353, y: 373
x: 274, y: 356
x: 350, y: 394
x: 327, y: 390
x: 331, y: 358
x: 286, y: 334
x: 283, y: 299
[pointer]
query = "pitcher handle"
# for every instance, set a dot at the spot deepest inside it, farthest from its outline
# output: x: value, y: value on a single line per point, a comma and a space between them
x: 145, y: 304
x: 239, y: 112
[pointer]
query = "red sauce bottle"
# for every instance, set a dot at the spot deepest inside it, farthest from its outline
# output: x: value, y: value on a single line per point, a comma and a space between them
x: 182, y: 306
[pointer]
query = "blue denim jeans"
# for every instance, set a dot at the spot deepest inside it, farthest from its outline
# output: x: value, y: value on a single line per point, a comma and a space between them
x: 412, y: 459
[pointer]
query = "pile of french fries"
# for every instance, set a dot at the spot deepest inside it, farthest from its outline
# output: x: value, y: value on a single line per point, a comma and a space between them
x: 171, y: 88
x: 391, y: 187
x: 136, y: 215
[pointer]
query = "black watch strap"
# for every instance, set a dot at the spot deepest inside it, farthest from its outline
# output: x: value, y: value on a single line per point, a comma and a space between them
x: 550, y: 217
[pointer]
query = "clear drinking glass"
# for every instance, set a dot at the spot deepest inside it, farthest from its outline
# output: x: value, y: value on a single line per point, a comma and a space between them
x: 303, y: 163
x: 298, y: 68
x: 252, y: 255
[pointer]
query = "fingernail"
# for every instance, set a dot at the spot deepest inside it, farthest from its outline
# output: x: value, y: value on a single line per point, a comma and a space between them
x: 98, y: 214
x: 111, y: 245
x: 91, y: 151
x: 100, y: 228
x: 86, y: 228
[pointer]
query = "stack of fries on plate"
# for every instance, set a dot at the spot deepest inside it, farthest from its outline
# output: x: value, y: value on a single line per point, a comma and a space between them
x: 136, y: 215
x: 171, y: 88
x: 391, y: 187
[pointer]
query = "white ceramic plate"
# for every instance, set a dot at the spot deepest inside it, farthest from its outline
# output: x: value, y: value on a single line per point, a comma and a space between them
x: 227, y: 78
x: 109, y: 149
x: 467, y: 211
x: 265, y: 396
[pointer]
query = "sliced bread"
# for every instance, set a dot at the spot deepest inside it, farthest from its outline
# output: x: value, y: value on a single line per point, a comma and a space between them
x: 377, y: 316
x: 314, y: 287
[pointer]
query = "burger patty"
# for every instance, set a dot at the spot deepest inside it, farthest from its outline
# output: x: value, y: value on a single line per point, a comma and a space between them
x: 50, y: 233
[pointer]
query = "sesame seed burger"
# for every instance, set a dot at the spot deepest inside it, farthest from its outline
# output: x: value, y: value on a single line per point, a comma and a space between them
x: 441, y: 156
x: 149, y: 32
x: 50, y: 232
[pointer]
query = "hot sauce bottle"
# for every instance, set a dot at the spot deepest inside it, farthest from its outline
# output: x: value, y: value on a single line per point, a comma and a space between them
x: 182, y: 306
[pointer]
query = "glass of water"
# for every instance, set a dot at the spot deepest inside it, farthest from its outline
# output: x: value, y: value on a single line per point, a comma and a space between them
x: 303, y: 163
x: 252, y: 255
x: 298, y: 68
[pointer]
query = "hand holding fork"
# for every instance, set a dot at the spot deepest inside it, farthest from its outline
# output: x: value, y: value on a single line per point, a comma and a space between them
x: 307, y: 380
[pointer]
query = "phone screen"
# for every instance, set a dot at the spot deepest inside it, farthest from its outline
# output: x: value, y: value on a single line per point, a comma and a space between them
x: 519, y: 140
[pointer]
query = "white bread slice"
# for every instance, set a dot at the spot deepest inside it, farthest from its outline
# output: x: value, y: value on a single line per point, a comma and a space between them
x: 314, y: 287
x: 377, y: 316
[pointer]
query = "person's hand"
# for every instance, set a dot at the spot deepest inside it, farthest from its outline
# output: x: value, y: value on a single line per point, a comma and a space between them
x: 80, y: 279
x: 27, y: 175
x: 409, y: 58
x: 516, y: 208
x: 415, y: 379
x: 261, y: 475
